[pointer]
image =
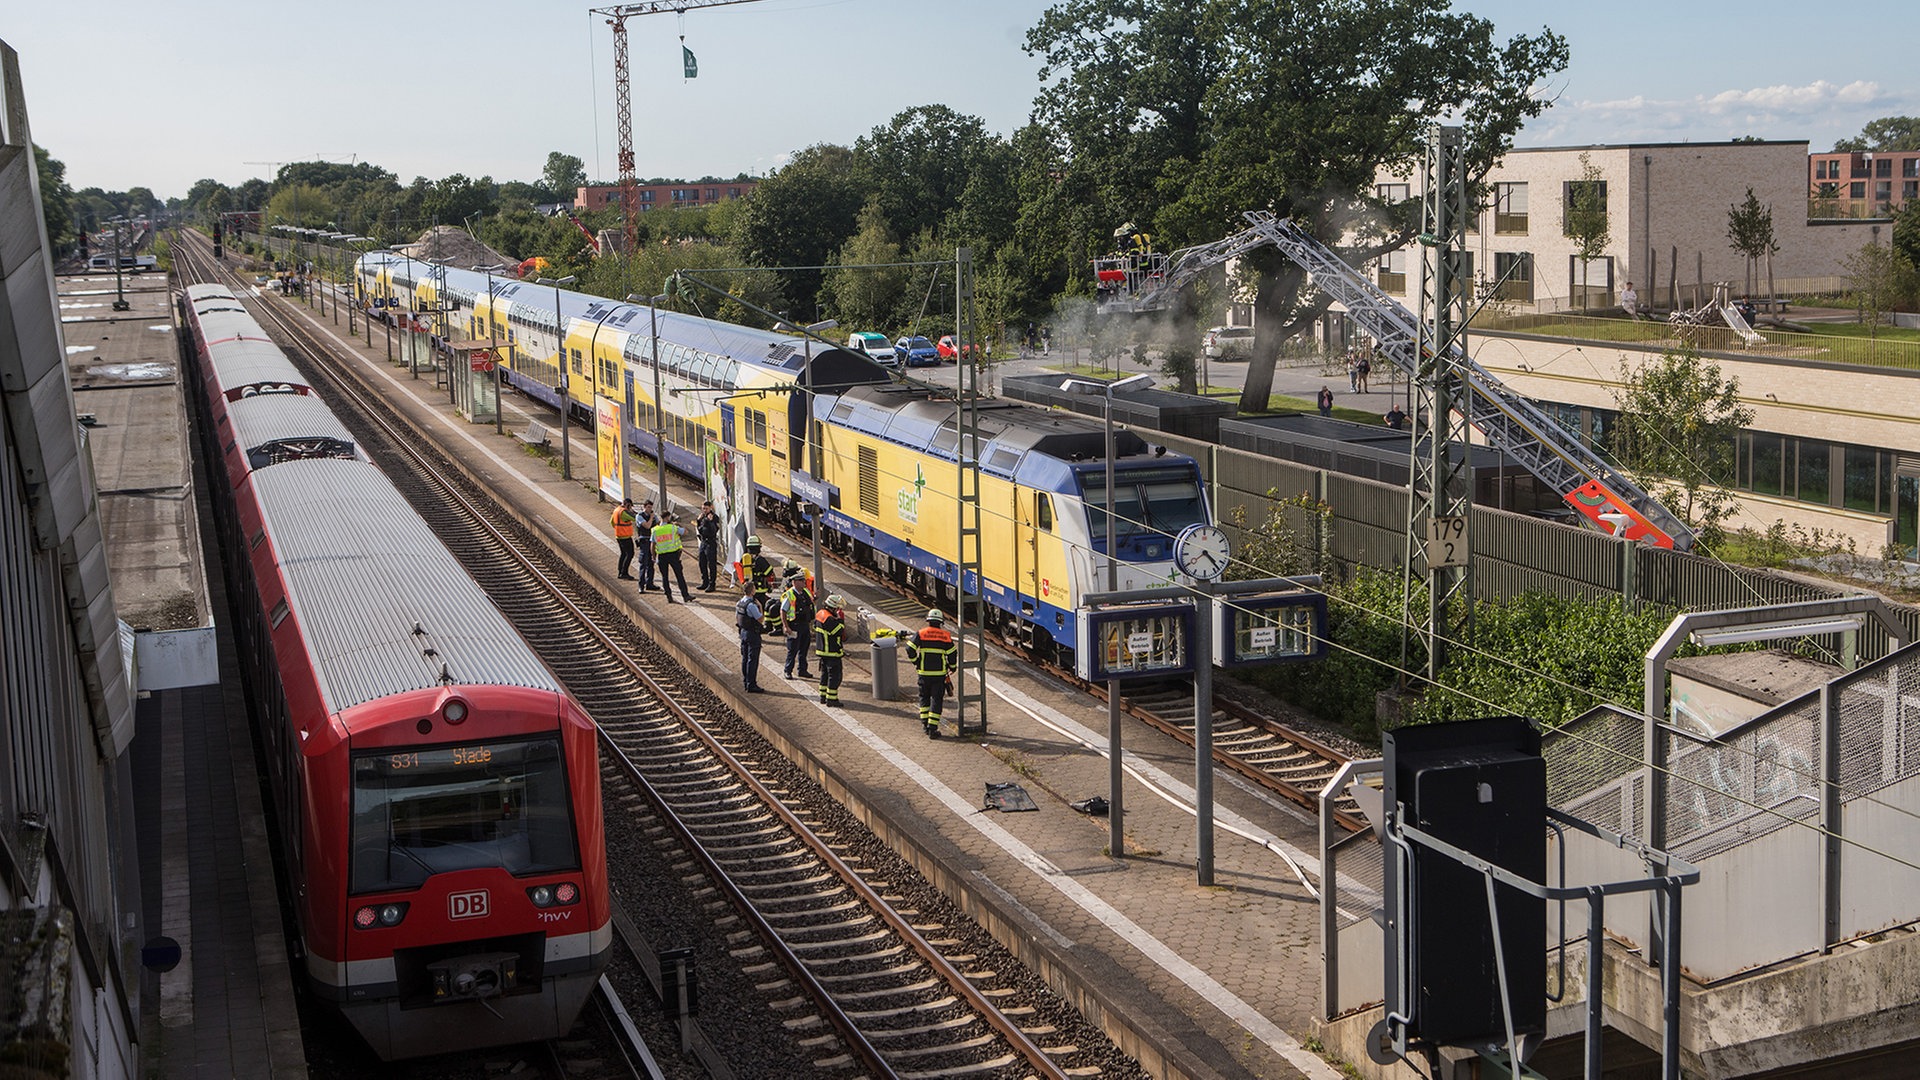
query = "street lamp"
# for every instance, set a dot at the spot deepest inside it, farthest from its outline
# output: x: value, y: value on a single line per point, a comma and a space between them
x: 813, y: 447
x: 659, y: 415
x: 119, y: 288
x: 566, y: 383
x: 493, y: 340
x: 1117, y: 839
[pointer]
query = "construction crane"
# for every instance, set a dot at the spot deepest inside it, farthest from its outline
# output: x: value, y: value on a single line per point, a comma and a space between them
x: 623, y: 96
x: 1139, y: 282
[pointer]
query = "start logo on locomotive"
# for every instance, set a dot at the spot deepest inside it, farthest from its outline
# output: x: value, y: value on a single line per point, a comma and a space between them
x: 467, y: 905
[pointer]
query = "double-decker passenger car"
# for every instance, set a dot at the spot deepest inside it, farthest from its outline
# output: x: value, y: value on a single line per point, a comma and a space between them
x: 437, y: 793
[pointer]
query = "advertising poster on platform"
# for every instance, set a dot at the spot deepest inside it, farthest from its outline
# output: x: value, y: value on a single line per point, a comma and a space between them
x: 729, y: 474
x: 613, y: 463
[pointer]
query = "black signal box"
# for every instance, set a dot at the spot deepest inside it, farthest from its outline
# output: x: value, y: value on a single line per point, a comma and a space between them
x: 1480, y: 785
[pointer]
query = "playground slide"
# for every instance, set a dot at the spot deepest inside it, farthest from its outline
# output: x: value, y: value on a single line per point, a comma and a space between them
x: 1732, y: 315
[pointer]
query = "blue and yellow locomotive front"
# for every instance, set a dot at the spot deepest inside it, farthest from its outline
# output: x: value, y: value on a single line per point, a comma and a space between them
x: 890, y: 467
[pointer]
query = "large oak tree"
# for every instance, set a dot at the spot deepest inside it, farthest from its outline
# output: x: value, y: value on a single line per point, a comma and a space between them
x: 1181, y: 114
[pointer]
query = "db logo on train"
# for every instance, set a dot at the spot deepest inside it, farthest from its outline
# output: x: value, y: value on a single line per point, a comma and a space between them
x: 467, y: 905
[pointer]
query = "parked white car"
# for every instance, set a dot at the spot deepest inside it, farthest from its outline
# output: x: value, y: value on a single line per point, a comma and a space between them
x: 875, y: 347
x: 1228, y: 343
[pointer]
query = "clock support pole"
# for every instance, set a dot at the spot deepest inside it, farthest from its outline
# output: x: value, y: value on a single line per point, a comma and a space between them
x: 1203, y: 732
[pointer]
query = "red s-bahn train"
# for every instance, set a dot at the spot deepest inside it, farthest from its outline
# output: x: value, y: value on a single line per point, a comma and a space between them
x: 437, y: 791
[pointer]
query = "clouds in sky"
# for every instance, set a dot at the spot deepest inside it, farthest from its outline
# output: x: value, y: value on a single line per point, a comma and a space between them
x: 1818, y: 111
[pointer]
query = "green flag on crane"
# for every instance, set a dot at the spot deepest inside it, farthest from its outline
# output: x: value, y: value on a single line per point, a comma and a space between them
x: 687, y: 61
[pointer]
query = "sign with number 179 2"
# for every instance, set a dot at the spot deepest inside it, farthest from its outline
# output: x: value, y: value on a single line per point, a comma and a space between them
x: 1447, y: 541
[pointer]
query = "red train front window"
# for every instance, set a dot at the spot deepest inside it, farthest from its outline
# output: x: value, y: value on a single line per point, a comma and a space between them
x: 421, y: 811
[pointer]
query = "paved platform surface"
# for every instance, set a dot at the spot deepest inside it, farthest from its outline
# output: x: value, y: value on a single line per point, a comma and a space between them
x: 1218, y: 981
x: 206, y: 875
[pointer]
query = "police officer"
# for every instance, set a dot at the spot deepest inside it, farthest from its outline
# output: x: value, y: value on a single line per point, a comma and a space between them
x: 829, y: 631
x: 749, y: 618
x: 796, y: 613
x: 622, y: 522
x: 707, y: 528
x: 931, y: 651
x: 668, y: 539
x: 647, y: 520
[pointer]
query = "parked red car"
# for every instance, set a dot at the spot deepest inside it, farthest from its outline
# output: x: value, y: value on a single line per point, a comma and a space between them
x: 950, y: 349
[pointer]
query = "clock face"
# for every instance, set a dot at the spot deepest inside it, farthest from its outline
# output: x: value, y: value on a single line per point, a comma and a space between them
x: 1202, y: 551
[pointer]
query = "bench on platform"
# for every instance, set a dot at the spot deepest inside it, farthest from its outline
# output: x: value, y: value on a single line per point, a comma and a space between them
x: 536, y: 435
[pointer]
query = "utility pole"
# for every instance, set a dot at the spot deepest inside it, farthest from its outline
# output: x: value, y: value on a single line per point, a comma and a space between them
x: 1442, y: 480
x: 623, y: 96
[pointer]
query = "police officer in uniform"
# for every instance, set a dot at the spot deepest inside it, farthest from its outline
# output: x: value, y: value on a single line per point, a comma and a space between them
x: 796, y: 612
x: 668, y: 539
x: 829, y: 632
x: 622, y: 523
x: 931, y: 651
x: 749, y: 618
x: 707, y: 528
x: 648, y: 519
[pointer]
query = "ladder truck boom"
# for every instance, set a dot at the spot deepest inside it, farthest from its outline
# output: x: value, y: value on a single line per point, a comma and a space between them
x: 1509, y: 421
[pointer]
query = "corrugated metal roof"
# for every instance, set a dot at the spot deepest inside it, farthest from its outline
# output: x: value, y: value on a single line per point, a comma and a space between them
x: 239, y: 364
x: 268, y: 418
x: 205, y: 290
x: 363, y: 571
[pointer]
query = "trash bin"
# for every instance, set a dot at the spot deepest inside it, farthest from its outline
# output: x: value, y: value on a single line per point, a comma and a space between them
x: 886, y: 669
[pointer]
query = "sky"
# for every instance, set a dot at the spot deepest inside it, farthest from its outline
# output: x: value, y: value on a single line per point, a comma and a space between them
x: 160, y: 95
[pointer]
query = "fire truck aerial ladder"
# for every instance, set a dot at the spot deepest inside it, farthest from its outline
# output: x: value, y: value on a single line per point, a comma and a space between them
x: 1138, y: 282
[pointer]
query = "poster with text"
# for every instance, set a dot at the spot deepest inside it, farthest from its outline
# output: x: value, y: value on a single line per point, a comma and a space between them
x: 613, y: 464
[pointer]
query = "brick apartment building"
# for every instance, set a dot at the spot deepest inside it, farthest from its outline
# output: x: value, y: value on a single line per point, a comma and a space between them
x: 676, y: 194
x: 1861, y: 185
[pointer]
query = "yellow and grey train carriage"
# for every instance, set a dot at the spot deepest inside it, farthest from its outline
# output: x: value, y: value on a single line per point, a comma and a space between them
x: 716, y: 379
x: 890, y: 467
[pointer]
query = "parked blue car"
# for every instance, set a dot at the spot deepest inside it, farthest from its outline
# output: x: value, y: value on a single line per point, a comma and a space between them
x: 916, y: 352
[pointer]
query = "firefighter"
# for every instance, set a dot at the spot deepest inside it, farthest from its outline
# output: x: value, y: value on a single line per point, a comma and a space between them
x: 754, y: 566
x: 931, y: 651
x: 829, y: 629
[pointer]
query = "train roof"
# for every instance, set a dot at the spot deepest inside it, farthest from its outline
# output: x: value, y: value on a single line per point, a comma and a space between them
x: 383, y: 606
x: 718, y: 349
x: 207, y: 290
x: 1035, y: 447
x: 238, y: 365
x: 269, y: 427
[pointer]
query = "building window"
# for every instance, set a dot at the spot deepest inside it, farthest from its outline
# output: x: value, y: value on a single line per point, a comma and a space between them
x: 1393, y: 272
x: 1393, y: 193
x: 1910, y: 189
x: 733, y: 193
x: 1910, y: 166
x: 1815, y: 468
x: 1584, y: 202
x: 1860, y: 166
x: 1820, y: 169
x: 712, y: 194
x: 1883, y: 167
x: 646, y: 196
x: 1590, y: 281
x: 1883, y: 192
x: 1514, y: 272
x: 1862, y: 481
x: 1857, y: 190
x: 1510, y: 209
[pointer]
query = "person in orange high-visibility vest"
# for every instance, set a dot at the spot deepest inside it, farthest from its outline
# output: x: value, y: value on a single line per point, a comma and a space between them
x: 623, y: 519
x: 931, y: 651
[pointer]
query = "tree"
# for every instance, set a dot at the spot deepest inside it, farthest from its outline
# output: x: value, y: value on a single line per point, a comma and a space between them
x: 920, y: 163
x: 1586, y: 218
x: 1679, y: 419
x: 1906, y: 233
x: 1179, y: 115
x: 1884, y: 134
x: 1879, y: 280
x: 56, y: 198
x: 1750, y: 232
x: 563, y: 176
x: 865, y: 289
x: 798, y: 218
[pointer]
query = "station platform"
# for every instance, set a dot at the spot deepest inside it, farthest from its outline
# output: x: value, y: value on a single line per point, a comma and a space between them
x: 225, y: 1006
x: 1219, y: 981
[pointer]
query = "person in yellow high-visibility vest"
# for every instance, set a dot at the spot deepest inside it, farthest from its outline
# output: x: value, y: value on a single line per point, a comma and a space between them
x: 668, y: 539
x: 623, y: 518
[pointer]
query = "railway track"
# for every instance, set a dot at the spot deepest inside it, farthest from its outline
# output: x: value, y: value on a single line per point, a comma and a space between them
x: 800, y: 901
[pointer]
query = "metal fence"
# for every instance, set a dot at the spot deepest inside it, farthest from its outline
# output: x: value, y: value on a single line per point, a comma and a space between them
x: 1657, y: 334
x: 1513, y: 553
